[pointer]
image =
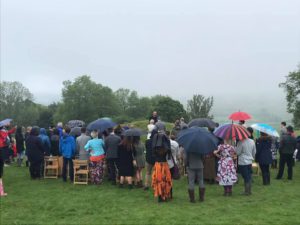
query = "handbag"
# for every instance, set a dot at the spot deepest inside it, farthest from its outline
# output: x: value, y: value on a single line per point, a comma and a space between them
x: 175, y: 170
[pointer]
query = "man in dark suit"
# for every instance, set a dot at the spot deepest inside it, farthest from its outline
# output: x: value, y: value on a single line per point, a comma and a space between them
x: 111, y: 143
x: 287, y: 146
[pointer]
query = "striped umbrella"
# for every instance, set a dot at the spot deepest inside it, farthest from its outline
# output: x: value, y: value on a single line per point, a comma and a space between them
x: 265, y: 128
x: 232, y: 131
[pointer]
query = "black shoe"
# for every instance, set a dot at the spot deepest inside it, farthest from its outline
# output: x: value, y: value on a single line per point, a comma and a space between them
x: 121, y: 185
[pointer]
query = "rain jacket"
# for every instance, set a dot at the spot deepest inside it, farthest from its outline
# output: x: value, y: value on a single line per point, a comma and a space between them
x: 45, y: 140
x: 263, y: 150
x: 67, y: 146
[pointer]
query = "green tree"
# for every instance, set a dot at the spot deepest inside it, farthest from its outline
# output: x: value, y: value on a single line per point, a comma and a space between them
x: 292, y: 88
x: 86, y: 100
x: 199, y: 107
x: 168, y: 109
x: 16, y: 102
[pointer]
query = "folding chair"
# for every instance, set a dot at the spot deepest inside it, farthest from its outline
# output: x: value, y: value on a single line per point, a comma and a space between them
x: 51, y: 167
x: 81, y: 171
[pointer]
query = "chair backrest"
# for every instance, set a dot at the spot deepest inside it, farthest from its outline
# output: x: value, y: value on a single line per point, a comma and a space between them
x: 51, y: 160
x: 83, y: 164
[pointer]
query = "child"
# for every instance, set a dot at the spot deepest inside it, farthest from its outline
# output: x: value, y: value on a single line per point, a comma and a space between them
x: 226, y: 170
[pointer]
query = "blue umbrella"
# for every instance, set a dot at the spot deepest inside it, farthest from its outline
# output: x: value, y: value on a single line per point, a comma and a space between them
x: 101, y: 124
x: 197, y: 140
x: 5, y: 122
x: 265, y: 128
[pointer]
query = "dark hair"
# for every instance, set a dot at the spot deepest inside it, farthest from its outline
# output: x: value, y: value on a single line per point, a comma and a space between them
x: 35, y: 131
x: 83, y: 130
x: 55, y: 131
x: 67, y: 129
x: 283, y: 123
x: 19, y: 130
x: 168, y: 133
x: 250, y: 130
x: 242, y: 121
x: 290, y: 129
x: 127, y: 142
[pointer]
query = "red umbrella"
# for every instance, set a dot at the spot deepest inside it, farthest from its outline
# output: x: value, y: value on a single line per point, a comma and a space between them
x: 232, y: 131
x: 239, y: 116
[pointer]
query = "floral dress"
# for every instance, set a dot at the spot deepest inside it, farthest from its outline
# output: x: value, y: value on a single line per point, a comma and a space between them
x: 226, y: 169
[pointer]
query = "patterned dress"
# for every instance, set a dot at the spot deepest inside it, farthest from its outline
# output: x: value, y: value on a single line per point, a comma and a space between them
x: 226, y: 169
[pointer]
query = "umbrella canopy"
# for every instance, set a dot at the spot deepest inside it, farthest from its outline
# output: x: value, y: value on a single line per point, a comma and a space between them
x: 240, y: 116
x: 202, y: 122
x: 265, y: 128
x: 133, y: 132
x: 5, y: 122
x: 75, y: 131
x: 101, y: 124
x: 197, y: 140
x: 232, y: 131
x: 75, y: 123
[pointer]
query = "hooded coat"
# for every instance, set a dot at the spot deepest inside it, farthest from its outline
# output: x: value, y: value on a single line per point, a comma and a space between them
x: 34, y: 146
x: 263, y: 150
x: 45, y: 141
x: 67, y: 146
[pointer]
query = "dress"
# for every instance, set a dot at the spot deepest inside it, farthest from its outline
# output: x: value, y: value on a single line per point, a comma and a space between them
x: 226, y: 170
x: 126, y: 168
x: 140, y: 155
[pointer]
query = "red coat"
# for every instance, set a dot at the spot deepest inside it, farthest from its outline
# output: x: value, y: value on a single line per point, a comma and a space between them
x: 4, y: 135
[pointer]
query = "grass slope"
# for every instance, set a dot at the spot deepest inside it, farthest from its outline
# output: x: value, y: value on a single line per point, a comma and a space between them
x: 55, y: 202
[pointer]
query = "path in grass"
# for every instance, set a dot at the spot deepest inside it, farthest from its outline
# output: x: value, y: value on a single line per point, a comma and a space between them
x: 55, y: 202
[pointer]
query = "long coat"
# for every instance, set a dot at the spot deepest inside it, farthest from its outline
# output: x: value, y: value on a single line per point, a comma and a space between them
x: 34, y: 147
x: 263, y: 150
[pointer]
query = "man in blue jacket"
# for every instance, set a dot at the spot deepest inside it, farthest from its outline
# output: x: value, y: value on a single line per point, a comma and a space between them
x: 67, y: 150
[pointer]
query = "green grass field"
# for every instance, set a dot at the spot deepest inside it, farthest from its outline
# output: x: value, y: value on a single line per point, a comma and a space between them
x: 55, y: 202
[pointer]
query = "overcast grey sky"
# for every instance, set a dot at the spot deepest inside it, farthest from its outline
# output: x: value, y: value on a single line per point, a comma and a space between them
x: 174, y: 47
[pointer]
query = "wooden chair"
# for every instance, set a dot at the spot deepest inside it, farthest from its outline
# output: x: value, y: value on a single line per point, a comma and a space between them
x: 51, y: 167
x: 255, y: 169
x: 81, y: 171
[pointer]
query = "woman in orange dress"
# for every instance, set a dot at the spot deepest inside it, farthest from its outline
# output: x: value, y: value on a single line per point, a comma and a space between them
x: 161, y: 177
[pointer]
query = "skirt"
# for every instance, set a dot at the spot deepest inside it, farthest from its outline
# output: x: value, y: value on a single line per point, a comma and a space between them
x: 161, y: 180
x: 96, y: 172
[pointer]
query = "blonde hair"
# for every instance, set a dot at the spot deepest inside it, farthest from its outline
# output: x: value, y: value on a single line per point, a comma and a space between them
x: 94, y: 134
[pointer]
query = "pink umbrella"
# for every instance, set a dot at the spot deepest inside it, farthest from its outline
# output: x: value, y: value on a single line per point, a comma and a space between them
x: 236, y: 116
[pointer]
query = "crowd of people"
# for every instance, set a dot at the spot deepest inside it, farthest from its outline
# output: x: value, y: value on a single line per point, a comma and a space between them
x: 122, y: 159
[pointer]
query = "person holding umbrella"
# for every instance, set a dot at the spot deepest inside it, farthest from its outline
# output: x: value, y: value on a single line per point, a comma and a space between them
x: 246, y: 151
x: 226, y: 175
x: 264, y: 156
x: 197, y: 142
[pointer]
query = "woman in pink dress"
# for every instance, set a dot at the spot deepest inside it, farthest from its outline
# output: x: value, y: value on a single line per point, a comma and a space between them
x: 227, y: 175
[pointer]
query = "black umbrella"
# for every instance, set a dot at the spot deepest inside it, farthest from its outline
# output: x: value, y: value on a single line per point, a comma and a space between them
x: 133, y: 132
x: 101, y: 124
x: 202, y: 122
x: 75, y: 123
x: 76, y: 131
x: 197, y: 140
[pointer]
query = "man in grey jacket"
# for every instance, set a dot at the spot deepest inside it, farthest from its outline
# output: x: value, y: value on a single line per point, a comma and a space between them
x: 194, y: 164
x: 112, y: 143
x: 246, y: 151
x: 80, y: 143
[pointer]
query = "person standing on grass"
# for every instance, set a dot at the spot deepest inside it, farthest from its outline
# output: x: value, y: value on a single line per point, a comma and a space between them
x: 194, y: 164
x: 54, y: 140
x: 287, y: 146
x: 20, y: 142
x: 35, y: 153
x: 67, y: 150
x: 126, y: 153
x: 264, y: 156
x: 150, y: 128
x: 81, y: 141
x: 140, y: 161
x: 246, y: 151
x: 226, y: 175
x: 4, y: 145
x: 161, y: 176
x: 97, y: 154
x: 112, y: 143
x: 45, y: 140
x: 150, y: 160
